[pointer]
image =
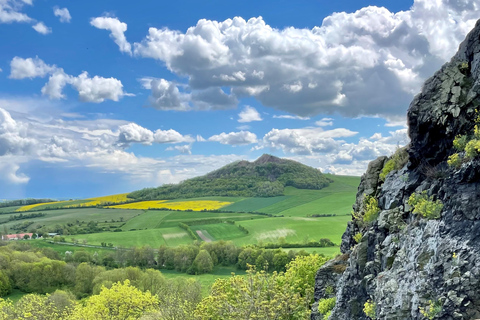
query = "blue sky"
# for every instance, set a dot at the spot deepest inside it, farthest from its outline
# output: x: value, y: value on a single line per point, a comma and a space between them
x: 103, y: 97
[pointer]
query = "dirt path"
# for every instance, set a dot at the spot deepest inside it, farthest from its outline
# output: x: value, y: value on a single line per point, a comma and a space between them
x: 204, y: 237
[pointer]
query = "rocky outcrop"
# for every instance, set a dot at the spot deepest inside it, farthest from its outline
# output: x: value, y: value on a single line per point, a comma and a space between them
x: 403, y: 262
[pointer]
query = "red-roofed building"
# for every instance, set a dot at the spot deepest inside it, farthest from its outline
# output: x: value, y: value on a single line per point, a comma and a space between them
x: 18, y: 236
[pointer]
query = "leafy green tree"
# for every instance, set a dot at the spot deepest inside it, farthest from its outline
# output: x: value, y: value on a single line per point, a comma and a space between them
x: 203, y: 263
x: 5, y: 285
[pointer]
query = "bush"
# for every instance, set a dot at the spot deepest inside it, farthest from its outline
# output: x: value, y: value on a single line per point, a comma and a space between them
x: 371, y: 209
x: 460, y: 142
x: 472, y: 148
x: 358, y: 237
x: 369, y: 309
x: 325, y: 306
x: 398, y: 160
x: 425, y: 206
x: 454, y: 160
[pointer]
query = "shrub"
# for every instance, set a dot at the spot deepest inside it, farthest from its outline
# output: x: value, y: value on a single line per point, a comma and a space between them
x: 371, y: 209
x: 398, y: 160
x: 358, y: 237
x: 460, y: 142
x: 431, y: 310
x: 425, y: 206
x: 454, y: 160
x: 369, y: 309
x: 472, y: 148
x: 325, y: 306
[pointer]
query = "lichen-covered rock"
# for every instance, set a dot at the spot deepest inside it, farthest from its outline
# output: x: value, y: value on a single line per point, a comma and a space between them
x: 404, y: 262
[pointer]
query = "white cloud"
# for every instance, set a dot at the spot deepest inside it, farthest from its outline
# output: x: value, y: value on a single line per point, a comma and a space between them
x: 369, y: 62
x: 96, y: 89
x: 10, y: 11
x: 63, y: 14
x: 185, y: 149
x: 235, y: 138
x: 29, y: 68
x: 288, y: 116
x: 200, y: 138
x: 325, y: 122
x: 249, y: 114
x: 166, y: 95
x: 133, y: 133
x: 117, y: 31
x: 40, y: 27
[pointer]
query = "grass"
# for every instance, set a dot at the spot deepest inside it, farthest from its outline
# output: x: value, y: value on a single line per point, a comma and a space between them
x: 64, y: 216
x: 62, y: 248
x: 253, y: 204
x: 220, y: 231
x: 146, y: 220
x: 15, y: 295
x: 293, y: 229
x: 327, y: 251
x: 206, y: 280
x: 152, y: 237
x: 175, y: 217
x: 9, y: 209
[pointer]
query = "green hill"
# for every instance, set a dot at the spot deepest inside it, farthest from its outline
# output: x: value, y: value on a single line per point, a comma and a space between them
x: 265, y: 177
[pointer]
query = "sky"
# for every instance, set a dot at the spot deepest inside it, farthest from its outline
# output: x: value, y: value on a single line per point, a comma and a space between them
x: 105, y: 97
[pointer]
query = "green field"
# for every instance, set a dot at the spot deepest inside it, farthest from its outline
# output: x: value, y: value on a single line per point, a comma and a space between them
x: 152, y: 237
x: 327, y: 251
x: 220, y: 231
x: 62, y: 248
x: 9, y: 209
x: 253, y: 204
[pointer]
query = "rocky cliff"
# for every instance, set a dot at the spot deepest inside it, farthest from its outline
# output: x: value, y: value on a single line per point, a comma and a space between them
x: 401, y: 259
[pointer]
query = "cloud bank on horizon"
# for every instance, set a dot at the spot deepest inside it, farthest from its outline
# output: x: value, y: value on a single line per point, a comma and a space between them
x: 333, y: 96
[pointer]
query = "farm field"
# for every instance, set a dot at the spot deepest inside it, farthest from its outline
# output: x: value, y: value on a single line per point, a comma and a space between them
x: 254, y: 204
x: 220, y: 231
x: 151, y: 237
x: 293, y: 229
x: 65, y: 216
x: 9, y: 209
x: 62, y: 248
x: 185, y: 205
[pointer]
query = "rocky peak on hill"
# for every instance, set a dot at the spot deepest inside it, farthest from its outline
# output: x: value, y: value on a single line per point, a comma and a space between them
x: 418, y: 259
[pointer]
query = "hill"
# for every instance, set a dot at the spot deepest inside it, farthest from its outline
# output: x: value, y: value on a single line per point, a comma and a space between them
x: 265, y: 177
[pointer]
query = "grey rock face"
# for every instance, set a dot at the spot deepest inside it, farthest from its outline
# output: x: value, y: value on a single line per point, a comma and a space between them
x: 405, y: 261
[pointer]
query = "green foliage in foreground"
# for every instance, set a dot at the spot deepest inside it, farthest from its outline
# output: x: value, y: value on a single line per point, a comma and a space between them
x: 425, y: 205
x: 398, y: 160
x: 247, y: 179
x: 325, y: 306
x: 369, y: 309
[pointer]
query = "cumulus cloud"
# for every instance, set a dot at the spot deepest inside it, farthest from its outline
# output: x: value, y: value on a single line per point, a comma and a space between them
x: 63, y: 14
x: 133, y: 133
x: 305, y: 141
x: 166, y: 95
x: 325, y: 122
x: 10, y: 11
x: 249, y: 114
x: 369, y: 62
x: 235, y: 138
x: 96, y: 89
x: 29, y: 68
x: 185, y: 149
x: 40, y: 27
x: 117, y: 31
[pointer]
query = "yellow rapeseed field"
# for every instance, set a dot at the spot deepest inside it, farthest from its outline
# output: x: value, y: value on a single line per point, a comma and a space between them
x: 33, y: 206
x: 176, y: 205
x: 116, y: 198
x: 142, y: 205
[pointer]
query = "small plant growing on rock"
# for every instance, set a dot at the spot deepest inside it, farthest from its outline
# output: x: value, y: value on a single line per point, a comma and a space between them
x: 371, y: 209
x: 369, y: 309
x: 454, y: 160
x: 325, y: 307
x: 398, y: 160
x: 358, y: 237
x: 460, y: 142
x: 425, y: 206
x: 431, y: 311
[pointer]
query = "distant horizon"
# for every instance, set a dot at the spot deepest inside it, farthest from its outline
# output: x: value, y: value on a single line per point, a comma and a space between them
x: 103, y: 97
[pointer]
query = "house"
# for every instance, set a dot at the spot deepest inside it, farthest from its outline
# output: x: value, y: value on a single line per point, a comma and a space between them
x: 18, y: 236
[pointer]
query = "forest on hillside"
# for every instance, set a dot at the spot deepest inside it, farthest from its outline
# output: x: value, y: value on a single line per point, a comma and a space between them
x: 243, y: 179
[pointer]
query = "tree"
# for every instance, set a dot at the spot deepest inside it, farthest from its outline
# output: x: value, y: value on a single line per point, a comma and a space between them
x: 121, y: 301
x: 26, y: 237
x: 5, y: 285
x: 203, y: 263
